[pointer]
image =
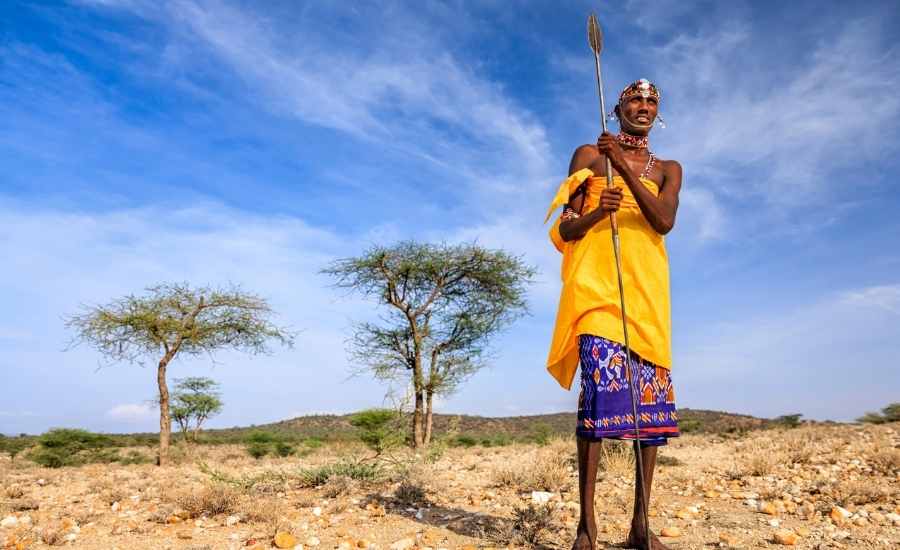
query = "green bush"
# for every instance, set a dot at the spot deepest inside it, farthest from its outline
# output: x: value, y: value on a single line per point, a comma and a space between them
x: 688, y: 426
x: 464, y: 441
x: 260, y: 444
x: 540, y: 433
x: 15, y: 445
x: 284, y: 449
x: 52, y: 457
x: 361, y: 471
x: 70, y: 447
x: 788, y: 420
x: 74, y: 439
x: 891, y: 413
x: 379, y: 429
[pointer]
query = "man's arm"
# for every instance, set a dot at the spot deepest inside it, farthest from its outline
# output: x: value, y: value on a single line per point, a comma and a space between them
x: 658, y: 210
x: 575, y: 228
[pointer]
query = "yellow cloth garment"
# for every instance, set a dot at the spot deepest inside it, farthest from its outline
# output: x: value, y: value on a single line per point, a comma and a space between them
x: 589, y: 301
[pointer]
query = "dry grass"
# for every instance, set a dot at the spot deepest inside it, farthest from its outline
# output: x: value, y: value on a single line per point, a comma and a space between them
x: 547, y: 468
x: 270, y: 512
x: 337, y: 486
x: 528, y: 526
x: 886, y: 461
x: 858, y: 492
x: 14, y: 492
x: 211, y: 500
x: 52, y: 536
x: 616, y: 457
x: 410, y: 492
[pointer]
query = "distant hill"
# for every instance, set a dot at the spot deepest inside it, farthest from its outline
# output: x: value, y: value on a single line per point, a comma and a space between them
x: 487, y: 429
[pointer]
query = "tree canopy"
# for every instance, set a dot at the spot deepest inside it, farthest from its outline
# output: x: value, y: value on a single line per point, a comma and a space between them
x: 443, y: 304
x: 176, y: 319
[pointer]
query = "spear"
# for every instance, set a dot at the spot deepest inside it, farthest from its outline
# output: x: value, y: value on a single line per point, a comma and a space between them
x: 595, y: 38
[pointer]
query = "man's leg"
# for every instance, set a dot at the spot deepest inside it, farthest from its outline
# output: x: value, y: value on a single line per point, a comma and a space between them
x: 588, y: 459
x: 637, y: 537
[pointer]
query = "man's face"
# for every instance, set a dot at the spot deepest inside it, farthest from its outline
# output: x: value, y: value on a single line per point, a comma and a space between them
x: 637, y: 113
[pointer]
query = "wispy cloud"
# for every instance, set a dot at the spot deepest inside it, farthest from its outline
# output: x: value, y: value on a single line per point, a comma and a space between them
x: 826, y: 359
x: 779, y: 130
x: 413, y: 94
x: 886, y: 297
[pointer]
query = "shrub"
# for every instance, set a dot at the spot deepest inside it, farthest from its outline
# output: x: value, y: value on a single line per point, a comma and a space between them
x: 528, y: 527
x: 410, y: 492
x: 541, y: 433
x: 257, y: 450
x: 688, y: 426
x: 212, y: 500
x: 260, y: 444
x: 788, y: 420
x: 379, y: 429
x: 15, y: 445
x: 360, y: 471
x: 284, y: 449
x: 891, y: 413
x: 464, y: 441
x: 70, y: 447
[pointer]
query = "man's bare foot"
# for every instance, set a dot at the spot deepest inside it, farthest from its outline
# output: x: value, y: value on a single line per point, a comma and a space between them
x: 637, y: 539
x: 583, y: 541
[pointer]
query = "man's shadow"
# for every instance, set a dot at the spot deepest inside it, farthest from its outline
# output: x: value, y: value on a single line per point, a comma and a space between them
x: 493, y: 530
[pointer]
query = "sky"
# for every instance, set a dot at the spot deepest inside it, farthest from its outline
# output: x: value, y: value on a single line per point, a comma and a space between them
x: 252, y: 143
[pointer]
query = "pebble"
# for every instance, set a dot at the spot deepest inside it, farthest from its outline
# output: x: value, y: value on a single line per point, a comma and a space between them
x: 541, y: 497
x: 671, y: 532
x: 313, y: 541
x: 232, y: 520
x: 9, y: 521
x: 285, y: 540
x: 839, y: 515
x: 786, y: 537
x: 768, y: 508
x: 728, y: 540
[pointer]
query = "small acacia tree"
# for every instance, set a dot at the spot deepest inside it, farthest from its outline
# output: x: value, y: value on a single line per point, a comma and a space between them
x: 172, y: 320
x: 194, y: 400
x: 443, y: 304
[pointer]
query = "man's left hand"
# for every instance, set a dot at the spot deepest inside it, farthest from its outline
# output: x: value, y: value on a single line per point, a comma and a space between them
x: 609, y: 146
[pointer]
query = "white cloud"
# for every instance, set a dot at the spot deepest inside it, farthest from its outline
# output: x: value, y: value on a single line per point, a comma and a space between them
x: 748, y: 125
x: 886, y: 297
x: 829, y: 359
x: 132, y: 412
x: 412, y: 94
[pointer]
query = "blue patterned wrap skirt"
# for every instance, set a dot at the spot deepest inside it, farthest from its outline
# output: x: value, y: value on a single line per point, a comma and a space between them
x: 604, y: 404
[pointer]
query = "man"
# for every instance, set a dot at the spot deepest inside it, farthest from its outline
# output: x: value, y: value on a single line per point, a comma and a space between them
x: 588, y: 327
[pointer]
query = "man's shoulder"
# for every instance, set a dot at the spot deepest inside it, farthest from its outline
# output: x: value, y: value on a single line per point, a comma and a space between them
x: 668, y: 164
x: 586, y: 150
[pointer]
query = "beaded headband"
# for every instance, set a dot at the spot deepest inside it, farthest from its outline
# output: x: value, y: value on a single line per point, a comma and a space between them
x: 642, y: 87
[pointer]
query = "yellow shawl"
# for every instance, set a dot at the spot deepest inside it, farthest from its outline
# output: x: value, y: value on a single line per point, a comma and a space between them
x: 589, y: 301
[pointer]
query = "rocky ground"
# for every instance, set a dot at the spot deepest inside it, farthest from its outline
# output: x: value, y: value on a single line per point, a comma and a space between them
x: 811, y: 487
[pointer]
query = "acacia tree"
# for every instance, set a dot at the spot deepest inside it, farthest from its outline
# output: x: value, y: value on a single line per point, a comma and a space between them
x: 172, y: 320
x: 194, y: 400
x: 443, y: 305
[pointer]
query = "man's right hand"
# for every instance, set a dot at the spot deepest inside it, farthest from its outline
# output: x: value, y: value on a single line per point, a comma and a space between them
x: 610, y: 198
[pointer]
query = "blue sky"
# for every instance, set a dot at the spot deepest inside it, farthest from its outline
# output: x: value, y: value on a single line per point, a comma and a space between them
x: 253, y: 142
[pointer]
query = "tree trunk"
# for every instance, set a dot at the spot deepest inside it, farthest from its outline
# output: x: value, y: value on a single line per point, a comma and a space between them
x: 165, y: 423
x: 418, y: 417
x: 429, y: 395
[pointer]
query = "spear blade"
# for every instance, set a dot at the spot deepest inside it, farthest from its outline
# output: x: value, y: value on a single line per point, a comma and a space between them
x: 595, y: 35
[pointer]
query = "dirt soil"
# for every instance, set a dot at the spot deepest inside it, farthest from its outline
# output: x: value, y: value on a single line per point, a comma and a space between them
x: 812, y: 487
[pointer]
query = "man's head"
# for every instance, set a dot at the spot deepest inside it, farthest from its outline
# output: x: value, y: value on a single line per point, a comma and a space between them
x: 637, y: 107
